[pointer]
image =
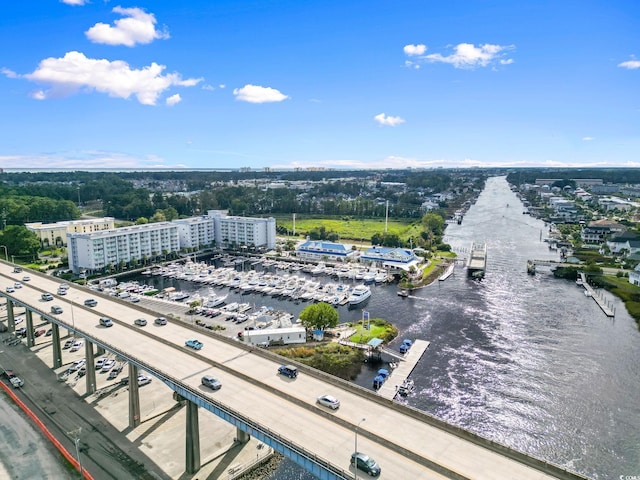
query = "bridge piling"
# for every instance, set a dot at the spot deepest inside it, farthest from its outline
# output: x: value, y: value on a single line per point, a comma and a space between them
x: 31, y: 341
x: 192, y: 435
x: 11, y: 321
x: 90, y: 377
x: 55, y: 342
x: 134, y: 397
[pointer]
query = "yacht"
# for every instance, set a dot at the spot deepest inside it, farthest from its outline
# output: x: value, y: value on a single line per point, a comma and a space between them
x: 359, y: 294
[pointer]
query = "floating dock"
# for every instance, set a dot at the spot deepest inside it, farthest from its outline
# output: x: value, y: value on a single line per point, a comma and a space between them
x: 389, y: 389
x: 477, y: 260
x: 600, y: 300
x: 447, y: 273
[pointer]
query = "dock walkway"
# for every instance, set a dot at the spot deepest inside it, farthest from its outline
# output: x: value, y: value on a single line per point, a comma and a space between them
x: 600, y: 300
x: 389, y: 389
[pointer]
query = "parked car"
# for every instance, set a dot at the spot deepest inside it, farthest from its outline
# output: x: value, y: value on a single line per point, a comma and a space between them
x: 193, y: 343
x: 134, y: 299
x: 77, y: 365
x: 91, y: 302
x: 56, y: 309
x: 211, y: 382
x: 106, y: 322
x: 49, y: 333
x: 108, y: 365
x: 47, y: 297
x: 39, y: 333
x: 68, y: 343
x: 364, y: 462
x: 329, y: 401
x: 100, y: 362
x: 141, y: 322
x: 288, y: 371
x: 77, y: 345
x: 160, y: 321
x: 21, y: 332
x: 143, y: 380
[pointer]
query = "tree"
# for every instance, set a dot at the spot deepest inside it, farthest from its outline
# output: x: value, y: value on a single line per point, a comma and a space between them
x: 19, y: 240
x: 319, y: 316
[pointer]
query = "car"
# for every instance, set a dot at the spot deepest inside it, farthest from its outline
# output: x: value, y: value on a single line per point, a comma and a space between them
x: 10, y: 289
x: 364, y: 462
x: 56, y: 309
x: 114, y: 373
x: 16, y: 382
x: 143, y: 380
x: 100, y: 362
x: 77, y: 345
x: 21, y: 332
x: 18, y: 320
x: 39, y: 333
x: 64, y: 285
x: 211, y: 382
x: 17, y: 269
x: 49, y: 333
x: 134, y: 299
x: 288, y: 371
x: 329, y: 401
x: 68, y: 343
x: 193, y: 343
x: 17, y: 285
x: 77, y: 365
x: 47, y: 297
x: 26, y: 278
x: 108, y: 365
x: 91, y: 302
x: 106, y: 322
x: 62, y: 291
x: 141, y: 322
x: 160, y: 321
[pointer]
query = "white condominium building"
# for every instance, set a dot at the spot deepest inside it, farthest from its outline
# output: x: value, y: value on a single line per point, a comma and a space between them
x: 95, y: 251
x: 243, y: 231
x: 195, y: 232
x: 51, y: 234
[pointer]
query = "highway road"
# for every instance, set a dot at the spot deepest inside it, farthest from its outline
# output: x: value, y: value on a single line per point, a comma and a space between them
x: 397, y: 438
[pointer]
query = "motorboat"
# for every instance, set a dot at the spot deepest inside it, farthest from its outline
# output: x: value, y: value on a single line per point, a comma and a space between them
x: 359, y: 294
x: 406, y: 388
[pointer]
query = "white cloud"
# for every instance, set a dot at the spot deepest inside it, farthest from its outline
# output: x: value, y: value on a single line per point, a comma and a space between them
x: 137, y: 27
x: 257, y: 94
x: 467, y: 55
x: 9, y: 73
x: 38, y: 95
x: 388, y: 120
x: 174, y: 99
x: 630, y: 64
x: 88, y: 159
x: 75, y: 72
x: 74, y: 2
x: 588, y: 139
x: 412, y: 50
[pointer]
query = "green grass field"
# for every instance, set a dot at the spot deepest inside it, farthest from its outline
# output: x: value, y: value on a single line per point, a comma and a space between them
x: 353, y: 229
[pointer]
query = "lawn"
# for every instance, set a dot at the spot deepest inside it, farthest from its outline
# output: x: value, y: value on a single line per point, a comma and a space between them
x: 353, y: 229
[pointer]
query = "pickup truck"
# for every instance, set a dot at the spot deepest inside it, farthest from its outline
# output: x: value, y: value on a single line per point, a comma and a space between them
x: 16, y: 382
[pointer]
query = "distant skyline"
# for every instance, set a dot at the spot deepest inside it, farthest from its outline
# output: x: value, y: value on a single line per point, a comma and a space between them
x: 341, y: 85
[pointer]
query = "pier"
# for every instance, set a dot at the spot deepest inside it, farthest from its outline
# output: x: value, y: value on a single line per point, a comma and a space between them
x: 389, y: 389
x: 599, y: 299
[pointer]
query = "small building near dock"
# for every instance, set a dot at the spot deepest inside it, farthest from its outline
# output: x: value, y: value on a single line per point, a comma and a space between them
x: 274, y: 336
x: 321, y: 250
x: 393, y: 259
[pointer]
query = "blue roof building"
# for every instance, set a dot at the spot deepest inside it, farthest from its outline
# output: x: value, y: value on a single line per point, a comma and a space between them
x: 391, y: 258
x: 321, y: 250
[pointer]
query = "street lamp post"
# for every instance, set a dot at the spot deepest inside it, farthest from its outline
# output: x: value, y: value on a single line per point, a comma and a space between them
x: 76, y: 440
x: 355, y: 465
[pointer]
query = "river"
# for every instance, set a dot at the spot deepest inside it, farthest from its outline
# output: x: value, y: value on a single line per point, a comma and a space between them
x: 528, y: 361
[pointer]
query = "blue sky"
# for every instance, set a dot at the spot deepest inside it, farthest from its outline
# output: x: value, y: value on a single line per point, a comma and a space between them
x: 334, y: 84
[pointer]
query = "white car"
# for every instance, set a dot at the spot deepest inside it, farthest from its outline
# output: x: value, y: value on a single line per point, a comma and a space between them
x: 329, y: 401
x: 100, y: 362
x: 17, y: 285
x: 26, y: 278
x: 62, y: 291
x: 10, y: 289
x: 77, y: 346
x: 75, y: 366
x: 108, y: 365
x: 143, y: 380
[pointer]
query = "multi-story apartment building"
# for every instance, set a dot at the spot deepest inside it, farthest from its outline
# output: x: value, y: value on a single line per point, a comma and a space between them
x: 243, y: 231
x: 51, y: 234
x: 195, y: 232
x: 95, y: 251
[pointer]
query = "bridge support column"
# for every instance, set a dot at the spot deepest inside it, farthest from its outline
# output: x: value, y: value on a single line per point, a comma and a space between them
x: 242, y: 436
x: 90, y: 377
x: 101, y: 351
x: 55, y: 342
x: 31, y: 341
x: 11, y: 321
x: 134, y: 397
x: 193, y: 439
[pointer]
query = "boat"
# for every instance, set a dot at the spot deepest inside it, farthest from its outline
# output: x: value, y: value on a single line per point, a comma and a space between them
x: 213, y: 301
x: 406, y: 388
x: 403, y: 293
x: 579, y: 282
x: 477, y: 260
x: 359, y: 294
x: 380, y: 378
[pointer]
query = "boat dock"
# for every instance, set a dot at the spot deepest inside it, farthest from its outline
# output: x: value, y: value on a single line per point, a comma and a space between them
x: 447, y: 273
x: 600, y: 300
x: 477, y: 259
x: 389, y: 389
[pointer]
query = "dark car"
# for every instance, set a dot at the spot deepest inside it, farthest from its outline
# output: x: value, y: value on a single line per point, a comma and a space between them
x: 364, y: 462
x: 91, y: 302
x: 288, y: 371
